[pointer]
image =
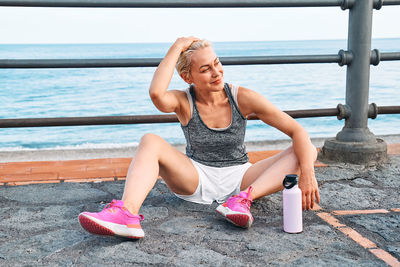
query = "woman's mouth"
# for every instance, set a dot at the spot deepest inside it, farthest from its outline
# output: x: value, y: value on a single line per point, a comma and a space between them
x: 216, y: 81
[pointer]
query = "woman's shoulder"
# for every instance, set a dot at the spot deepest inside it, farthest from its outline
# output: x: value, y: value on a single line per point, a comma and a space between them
x: 232, y: 86
x: 237, y: 87
x: 242, y: 91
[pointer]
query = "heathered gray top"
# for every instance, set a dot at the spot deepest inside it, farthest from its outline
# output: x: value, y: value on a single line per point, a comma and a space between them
x: 216, y: 147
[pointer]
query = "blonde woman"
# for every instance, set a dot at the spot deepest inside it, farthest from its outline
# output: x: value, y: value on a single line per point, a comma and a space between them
x: 212, y: 115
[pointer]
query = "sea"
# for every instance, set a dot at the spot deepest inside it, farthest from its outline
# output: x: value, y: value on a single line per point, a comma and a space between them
x: 44, y: 93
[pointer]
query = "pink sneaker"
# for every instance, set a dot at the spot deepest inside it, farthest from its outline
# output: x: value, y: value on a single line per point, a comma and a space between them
x: 237, y: 209
x: 114, y: 219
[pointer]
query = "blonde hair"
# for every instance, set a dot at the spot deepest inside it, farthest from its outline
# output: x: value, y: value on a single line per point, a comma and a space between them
x: 183, y: 66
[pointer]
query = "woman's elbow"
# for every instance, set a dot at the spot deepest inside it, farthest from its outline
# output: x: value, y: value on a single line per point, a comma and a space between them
x: 154, y: 94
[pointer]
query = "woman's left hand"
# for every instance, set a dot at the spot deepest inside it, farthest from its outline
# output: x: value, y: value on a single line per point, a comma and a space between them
x: 309, y: 189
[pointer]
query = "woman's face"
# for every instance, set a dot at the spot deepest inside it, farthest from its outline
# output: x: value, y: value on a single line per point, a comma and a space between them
x: 206, y: 72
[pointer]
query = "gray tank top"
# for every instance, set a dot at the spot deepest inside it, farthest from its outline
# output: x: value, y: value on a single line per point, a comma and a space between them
x: 216, y: 147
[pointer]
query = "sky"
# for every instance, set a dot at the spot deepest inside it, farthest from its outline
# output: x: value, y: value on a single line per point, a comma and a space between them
x: 142, y: 25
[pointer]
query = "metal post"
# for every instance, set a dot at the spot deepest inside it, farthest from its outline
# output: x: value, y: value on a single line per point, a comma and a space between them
x: 355, y: 143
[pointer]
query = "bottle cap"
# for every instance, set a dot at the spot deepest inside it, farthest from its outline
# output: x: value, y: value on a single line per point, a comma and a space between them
x: 290, y: 181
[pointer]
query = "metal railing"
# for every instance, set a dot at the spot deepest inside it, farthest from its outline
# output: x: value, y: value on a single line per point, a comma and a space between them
x: 357, y: 59
x: 345, y: 4
x: 153, y: 62
x: 172, y: 4
x: 139, y: 119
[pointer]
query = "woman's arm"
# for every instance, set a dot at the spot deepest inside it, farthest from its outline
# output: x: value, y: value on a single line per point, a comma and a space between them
x: 253, y: 102
x: 168, y: 101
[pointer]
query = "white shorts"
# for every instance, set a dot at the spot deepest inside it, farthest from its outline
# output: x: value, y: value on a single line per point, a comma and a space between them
x: 216, y: 183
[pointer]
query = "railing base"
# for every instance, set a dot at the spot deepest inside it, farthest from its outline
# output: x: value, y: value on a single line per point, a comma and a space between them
x: 354, y: 152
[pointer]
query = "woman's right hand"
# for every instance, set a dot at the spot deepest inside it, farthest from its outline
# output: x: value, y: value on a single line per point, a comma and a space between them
x: 183, y: 43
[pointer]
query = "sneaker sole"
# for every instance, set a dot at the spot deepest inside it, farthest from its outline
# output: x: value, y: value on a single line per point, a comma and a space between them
x: 237, y: 218
x: 98, y: 227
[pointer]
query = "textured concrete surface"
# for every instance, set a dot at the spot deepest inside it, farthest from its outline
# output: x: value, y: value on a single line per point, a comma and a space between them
x: 39, y: 226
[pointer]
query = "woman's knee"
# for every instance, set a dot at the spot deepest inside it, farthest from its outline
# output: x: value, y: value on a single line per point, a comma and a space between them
x: 290, y: 152
x: 315, y: 152
x: 151, y: 139
x: 151, y: 143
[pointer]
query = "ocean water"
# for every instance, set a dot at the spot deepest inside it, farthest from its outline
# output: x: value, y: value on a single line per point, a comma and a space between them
x: 36, y: 93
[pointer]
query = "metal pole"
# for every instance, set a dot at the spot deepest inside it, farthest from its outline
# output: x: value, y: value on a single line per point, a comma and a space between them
x: 355, y: 143
x: 357, y: 80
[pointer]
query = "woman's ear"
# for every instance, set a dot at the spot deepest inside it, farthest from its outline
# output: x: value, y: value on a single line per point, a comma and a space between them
x: 186, y: 77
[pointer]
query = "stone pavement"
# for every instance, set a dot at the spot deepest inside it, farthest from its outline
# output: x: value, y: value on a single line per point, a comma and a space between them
x: 358, y: 225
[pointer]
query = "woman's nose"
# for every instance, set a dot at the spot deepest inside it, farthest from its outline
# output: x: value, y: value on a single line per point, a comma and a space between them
x: 215, y: 71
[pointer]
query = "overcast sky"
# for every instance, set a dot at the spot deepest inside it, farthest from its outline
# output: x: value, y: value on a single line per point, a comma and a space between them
x: 129, y: 25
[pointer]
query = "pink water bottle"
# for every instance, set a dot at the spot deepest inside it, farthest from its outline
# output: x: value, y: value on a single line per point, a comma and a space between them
x: 292, y: 211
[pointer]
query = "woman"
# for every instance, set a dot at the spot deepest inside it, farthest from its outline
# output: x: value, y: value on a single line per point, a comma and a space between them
x: 213, y: 118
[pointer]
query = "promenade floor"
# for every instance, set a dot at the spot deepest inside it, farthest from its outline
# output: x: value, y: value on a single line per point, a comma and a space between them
x: 356, y: 224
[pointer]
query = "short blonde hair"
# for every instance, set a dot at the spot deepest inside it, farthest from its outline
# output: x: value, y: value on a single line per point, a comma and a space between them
x: 183, y: 66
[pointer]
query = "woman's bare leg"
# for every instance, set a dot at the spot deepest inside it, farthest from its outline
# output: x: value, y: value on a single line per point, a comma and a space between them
x: 266, y: 176
x: 155, y: 157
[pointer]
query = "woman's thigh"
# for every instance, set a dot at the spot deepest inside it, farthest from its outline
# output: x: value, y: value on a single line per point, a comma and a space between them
x: 175, y: 168
x: 261, y: 166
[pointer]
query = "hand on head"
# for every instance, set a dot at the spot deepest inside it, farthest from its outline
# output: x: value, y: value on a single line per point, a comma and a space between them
x: 185, y: 42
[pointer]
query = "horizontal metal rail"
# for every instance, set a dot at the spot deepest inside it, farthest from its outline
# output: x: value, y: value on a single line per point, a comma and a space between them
x: 390, y: 56
x: 391, y: 2
x: 136, y: 119
x: 185, y: 3
x: 153, y: 62
x: 78, y: 63
x: 388, y: 110
x: 171, y: 3
x: 141, y: 119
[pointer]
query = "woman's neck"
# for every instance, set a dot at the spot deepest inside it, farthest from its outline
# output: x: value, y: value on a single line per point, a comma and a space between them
x: 210, y: 97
